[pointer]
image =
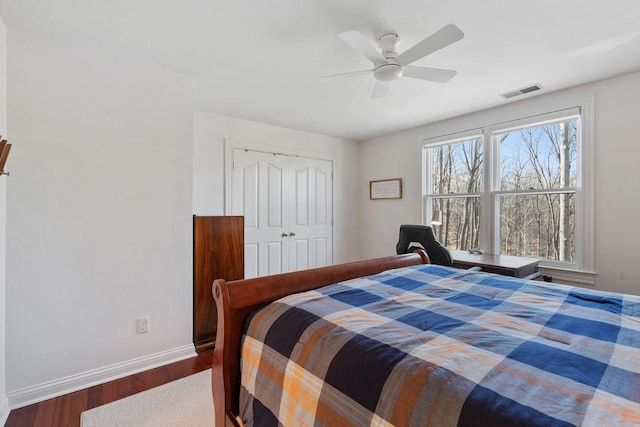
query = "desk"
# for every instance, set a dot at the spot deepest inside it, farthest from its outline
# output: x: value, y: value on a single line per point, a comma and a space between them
x: 501, y: 264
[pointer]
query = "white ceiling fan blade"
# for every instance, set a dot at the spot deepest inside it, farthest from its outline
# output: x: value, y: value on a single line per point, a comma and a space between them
x: 442, y: 38
x: 432, y: 74
x: 343, y: 75
x: 381, y: 89
x: 362, y: 45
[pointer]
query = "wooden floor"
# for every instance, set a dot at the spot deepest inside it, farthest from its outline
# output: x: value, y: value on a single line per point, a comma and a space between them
x: 65, y: 410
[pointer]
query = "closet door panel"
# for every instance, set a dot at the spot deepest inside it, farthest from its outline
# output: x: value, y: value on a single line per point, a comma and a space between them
x: 321, y: 252
x: 250, y: 260
x: 314, y: 213
x: 274, y: 257
x: 266, y: 198
x: 321, y: 199
x: 301, y: 196
x: 275, y: 182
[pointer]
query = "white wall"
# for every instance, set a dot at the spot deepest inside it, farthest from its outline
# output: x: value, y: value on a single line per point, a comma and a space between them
x: 617, y: 154
x: 210, y: 132
x: 4, y: 407
x: 98, y: 216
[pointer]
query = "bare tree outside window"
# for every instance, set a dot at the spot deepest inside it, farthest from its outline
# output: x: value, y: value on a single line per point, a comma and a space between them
x: 457, y: 181
x: 538, y: 176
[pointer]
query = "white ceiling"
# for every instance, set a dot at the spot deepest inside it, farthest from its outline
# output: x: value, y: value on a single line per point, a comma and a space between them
x: 259, y: 60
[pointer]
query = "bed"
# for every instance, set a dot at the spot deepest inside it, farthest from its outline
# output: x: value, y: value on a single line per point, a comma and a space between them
x: 398, y: 341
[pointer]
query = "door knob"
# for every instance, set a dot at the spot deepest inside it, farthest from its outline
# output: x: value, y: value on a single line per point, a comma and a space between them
x: 284, y: 235
x: 292, y: 234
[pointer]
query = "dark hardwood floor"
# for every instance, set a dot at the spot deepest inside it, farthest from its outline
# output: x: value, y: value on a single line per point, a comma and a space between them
x: 65, y: 410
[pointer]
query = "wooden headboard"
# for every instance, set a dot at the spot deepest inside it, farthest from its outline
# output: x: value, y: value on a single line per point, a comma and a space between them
x: 236, y: 299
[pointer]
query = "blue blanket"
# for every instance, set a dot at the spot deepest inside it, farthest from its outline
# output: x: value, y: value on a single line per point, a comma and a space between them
x: 433, y: 345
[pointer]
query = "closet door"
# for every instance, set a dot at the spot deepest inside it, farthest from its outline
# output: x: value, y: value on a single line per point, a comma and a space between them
x: 287, y: 205
x: 259, y: 194
x: 310, y: 225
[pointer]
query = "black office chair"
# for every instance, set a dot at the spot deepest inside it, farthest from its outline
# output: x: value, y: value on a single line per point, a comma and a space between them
x: 421, y: 236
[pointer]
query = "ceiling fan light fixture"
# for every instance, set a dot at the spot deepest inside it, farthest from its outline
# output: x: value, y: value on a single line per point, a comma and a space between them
x: 388, y: 72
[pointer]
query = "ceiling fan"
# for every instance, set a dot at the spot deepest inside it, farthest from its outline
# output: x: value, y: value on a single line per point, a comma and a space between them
x: 389, y: 66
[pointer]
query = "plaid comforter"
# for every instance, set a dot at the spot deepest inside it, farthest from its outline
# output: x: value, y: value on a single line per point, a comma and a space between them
x: 431, y: 345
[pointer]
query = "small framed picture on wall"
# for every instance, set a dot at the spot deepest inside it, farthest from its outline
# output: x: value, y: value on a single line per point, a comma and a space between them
x: 385, y: 189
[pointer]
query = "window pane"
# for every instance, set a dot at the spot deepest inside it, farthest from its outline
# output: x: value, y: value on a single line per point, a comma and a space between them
x: 538, y: 226
x: 541, y: 157
x: 460, y: 228
x: 457, y: 167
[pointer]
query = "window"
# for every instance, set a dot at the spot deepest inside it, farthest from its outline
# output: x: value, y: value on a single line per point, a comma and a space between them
x: 456, y: 191
x: 536, y: 197
x: 513, y: 189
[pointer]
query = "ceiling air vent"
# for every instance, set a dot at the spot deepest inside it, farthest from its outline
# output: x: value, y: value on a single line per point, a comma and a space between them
x: 521, y: 91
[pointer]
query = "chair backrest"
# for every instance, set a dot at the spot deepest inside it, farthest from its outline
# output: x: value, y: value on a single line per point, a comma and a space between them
x: 423, y: 235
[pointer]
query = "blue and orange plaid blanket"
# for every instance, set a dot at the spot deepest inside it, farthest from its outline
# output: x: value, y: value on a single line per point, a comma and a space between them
x: 432, y: 345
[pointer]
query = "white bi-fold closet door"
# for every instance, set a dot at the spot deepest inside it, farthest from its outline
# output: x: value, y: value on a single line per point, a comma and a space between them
x: 287, y: 205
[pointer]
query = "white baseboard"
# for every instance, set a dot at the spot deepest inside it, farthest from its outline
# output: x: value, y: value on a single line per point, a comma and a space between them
x: 38, y: 393
x: 4, y: 409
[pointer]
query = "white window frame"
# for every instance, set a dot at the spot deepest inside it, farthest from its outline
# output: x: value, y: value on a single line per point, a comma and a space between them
x: 581, y: 271
x: 427, y: 178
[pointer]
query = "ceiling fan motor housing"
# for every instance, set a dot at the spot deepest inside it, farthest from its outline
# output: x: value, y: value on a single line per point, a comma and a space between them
x: 392, y: 69
x: 387, y: 43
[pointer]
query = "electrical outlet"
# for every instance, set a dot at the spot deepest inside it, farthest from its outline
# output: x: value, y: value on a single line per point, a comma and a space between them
x: 142, y: 325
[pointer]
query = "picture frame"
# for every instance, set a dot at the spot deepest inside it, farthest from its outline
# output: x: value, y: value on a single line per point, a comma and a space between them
x: 385, y: 189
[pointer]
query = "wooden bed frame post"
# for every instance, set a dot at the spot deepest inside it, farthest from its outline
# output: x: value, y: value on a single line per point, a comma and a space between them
x: 220, y: 381
x: 236, y: 299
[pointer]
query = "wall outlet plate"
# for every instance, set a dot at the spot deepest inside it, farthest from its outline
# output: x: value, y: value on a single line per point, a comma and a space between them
x: 142, y: 325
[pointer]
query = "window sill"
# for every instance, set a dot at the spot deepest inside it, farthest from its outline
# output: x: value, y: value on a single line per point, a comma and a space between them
x: 568, y: 276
